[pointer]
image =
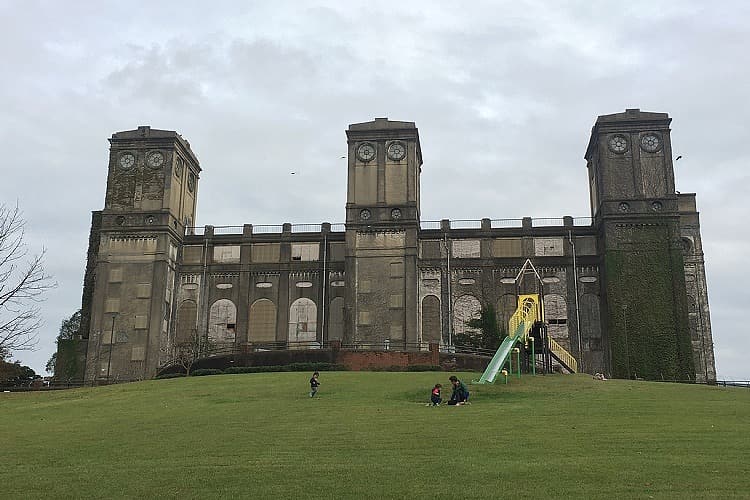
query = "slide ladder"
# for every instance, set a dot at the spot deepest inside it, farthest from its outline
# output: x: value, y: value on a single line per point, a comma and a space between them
x: 527, y: 313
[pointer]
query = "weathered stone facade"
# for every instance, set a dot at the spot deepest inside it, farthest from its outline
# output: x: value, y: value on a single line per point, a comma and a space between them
x: 624, y: 283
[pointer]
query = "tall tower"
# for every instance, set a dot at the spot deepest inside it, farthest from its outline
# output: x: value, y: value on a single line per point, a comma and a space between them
x: 635, y: 206
x: 382, y: 225
x: 151, y: 193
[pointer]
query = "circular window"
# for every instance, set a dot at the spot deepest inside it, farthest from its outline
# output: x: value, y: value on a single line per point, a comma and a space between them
x: 155, y: 159
x: 365, y: 214
x: 366, y: 151
x: 396, y: 151
x: 127, y: 160
x: 618, y: 143
x: 651, y: 143
x: 657, y: 206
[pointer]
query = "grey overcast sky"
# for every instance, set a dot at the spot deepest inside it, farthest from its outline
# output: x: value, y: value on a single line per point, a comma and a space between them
x: 504, y: 94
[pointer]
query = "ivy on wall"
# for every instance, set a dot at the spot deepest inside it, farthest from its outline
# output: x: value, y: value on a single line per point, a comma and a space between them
x: 646, y: 318
x: 89, y: 278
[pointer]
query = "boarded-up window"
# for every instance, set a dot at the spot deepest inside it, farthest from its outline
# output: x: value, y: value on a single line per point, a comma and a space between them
x: 138, y: 354
x: 227, y: 254
x: 591, y: 328
x: 431, y: 249
x: 506, y: 306
x: 554, y: 308
x: 192, y: 254
x: 466, y: 308
x: 336, y: 325
x: 115, y: 275
x: 112, y: 305
x: 222, y: 318
x: 364, y: 286
x: 337, y: 251
x: 303, y: 320
x: 466, y: 249
x: 397, y: 269
x: 141, y: 322
x: 586, y: 245
x: 262, y: 321
x: 305, y: 252
x: 187, y: 315
x: 556, y: 315
x: 364, y: 317
x: 396, y: 301
x: 548, y: 247
x: 431, y: 324
x: 143, y: 290
x: 264, y: 252
x: 506, y: 247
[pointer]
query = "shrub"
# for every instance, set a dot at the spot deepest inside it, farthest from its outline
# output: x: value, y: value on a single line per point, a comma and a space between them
x: 424, y: 368
x: 205, y: 371
x: 294, y: 367
x: 169, y: 375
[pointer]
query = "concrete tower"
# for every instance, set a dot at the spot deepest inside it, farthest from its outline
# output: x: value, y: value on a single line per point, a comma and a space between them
x: 382, y: 225
x: 635, y: 206
x: 151, y: 191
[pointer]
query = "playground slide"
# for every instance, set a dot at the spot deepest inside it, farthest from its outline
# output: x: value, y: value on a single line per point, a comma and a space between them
x: 501, y: 355
x: 498, y: 361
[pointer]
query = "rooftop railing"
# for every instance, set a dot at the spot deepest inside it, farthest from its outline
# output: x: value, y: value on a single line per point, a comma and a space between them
x: 424, y: 225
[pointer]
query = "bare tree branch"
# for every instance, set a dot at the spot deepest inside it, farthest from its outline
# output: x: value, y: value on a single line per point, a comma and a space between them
x: 186, y: 353
x: 23, y: 282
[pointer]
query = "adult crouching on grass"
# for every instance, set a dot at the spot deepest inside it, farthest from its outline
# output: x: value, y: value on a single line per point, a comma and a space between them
x: 460, y: 395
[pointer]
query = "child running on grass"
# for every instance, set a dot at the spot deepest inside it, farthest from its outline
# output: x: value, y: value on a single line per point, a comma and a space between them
x: 435, y: 396
x: 314, y: 383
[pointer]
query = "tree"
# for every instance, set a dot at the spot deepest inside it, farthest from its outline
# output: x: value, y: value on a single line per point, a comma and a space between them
x: 69, y: 329
x: 488, y: 334
x: 186, y: 353
x: 15, y: 374
x: 23, y: 281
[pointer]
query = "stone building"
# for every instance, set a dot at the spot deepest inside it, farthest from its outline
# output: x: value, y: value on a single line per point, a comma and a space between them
x: 624, y: 290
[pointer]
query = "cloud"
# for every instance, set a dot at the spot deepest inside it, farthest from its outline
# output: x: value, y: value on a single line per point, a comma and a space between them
x: 504, y: 95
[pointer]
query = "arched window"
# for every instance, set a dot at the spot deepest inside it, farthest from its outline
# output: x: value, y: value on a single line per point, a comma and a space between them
x: 506, y: 306
x: 303, y: 320
x: 591, y: 328
x: 222, y: 318
x: 431, y: 324
x: 336, y: 325
x: 555, y: 309
x: 262, y: 321
x: 187, y: 326
x: 466, y: 308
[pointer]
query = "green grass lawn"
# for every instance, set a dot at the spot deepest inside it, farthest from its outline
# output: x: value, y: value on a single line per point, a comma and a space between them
x: 370, y: 435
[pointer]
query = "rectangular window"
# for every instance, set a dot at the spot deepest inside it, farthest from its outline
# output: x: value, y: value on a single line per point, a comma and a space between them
x: 115, y: 275
x: 143, y: 290
x: 112, y: 305
x: 397, y: 269
x: 466, y: 249
x: 141, y: 322
x: 227, y: 254
x: 364, y: 317
x: 305, y: 252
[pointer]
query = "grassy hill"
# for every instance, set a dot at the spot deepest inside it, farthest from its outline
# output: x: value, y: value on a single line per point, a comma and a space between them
x: 370, y: 435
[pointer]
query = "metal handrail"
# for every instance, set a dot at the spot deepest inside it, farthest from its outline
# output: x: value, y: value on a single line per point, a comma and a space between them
x: 563, y: 355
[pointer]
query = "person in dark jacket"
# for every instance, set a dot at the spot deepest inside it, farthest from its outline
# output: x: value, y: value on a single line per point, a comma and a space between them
x: 314, y: 383
x: 460, y: 395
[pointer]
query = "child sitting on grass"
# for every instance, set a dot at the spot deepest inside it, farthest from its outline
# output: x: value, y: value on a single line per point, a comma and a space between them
x: 435, y: 396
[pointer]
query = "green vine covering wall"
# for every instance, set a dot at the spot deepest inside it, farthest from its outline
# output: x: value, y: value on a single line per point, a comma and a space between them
x: 647, y: 319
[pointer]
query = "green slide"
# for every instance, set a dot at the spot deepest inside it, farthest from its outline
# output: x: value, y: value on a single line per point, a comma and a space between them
x: 501, y: 356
